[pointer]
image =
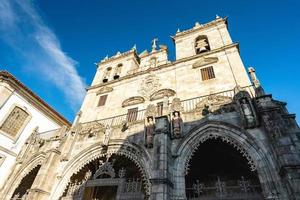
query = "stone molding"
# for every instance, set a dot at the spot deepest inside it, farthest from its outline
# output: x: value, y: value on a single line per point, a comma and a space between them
x: 133, y: 101
x: 160, y: 94
x: 203, y: 61
x: 105, y: 89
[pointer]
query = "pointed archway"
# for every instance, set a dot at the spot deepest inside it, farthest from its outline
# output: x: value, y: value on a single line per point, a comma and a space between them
x: 217, y: 170
x: 109, y: 178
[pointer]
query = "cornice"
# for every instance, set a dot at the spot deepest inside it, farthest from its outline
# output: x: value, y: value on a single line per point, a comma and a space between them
x: 201, y: 27
x: 32, y: 98
x: 8, y: 151
x: 119, y: 56
x: 164, y: 66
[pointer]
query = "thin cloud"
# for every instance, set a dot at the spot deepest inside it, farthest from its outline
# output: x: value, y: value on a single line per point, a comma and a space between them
x: 24, y: 30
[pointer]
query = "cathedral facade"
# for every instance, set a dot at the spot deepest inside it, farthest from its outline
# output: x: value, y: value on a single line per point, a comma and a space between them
x: 149, y: 128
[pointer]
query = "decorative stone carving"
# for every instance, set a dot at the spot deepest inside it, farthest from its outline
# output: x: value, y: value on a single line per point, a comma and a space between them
x: 176, y: 105
x: 160, y: 94
x: 105, y: 168
x: 149, y: 85
x: 149, y: 131
x: 106, y: 135
x: 151, y: 111
x: 245, y: 108
x: 104, y: 90
x: 176, y: 125
x: 205, y: 61
x: 133, y: 101
x: 213, y: 104
x: 91, y: 128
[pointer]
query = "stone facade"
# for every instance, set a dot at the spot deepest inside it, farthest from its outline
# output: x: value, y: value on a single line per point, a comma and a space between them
x: 146, y: 121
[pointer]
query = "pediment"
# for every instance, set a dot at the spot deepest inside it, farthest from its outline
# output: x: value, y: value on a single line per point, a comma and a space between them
x: 133, y: 101
x: 104, y: 89
x: 205, y: 61
x: 162, y: 93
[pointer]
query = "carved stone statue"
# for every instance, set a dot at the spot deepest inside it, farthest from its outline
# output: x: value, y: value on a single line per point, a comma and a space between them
x: 106, y: 136
x: 149, y: 131
x: 206, y: 110
x: 177, y: 125
x: 248, y: 113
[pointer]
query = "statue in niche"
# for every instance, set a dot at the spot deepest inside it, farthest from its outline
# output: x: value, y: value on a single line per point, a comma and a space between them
x: 149, y: 131
x: 176, y: 124
x: 247, y: 112
x: 206, y: 110
x: 106, y: 135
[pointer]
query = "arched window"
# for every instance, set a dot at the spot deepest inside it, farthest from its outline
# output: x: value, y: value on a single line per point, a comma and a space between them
x: 118, y: 70
x: 106, y: 74
x: 201, y: 44
x: 14, y: 122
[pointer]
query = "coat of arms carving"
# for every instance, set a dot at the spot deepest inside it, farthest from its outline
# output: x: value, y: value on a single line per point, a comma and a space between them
x: 149, y: 85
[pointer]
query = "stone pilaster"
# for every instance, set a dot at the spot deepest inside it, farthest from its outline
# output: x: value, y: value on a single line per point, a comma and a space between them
x: 45, y: 179
x: 161, y: 179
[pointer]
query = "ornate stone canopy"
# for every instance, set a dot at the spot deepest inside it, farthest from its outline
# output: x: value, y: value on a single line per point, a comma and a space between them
x: 133, y: 101
x: 161, y: 94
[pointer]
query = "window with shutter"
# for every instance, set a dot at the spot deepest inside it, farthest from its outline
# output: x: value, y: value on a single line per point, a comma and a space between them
x: 207, y: 73
x: 132, y: 114
x: 102, y: 100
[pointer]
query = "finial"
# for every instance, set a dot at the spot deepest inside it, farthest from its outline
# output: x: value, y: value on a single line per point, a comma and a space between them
x: 134, y: 47
x: 217, y: 16
x: 154, y: 46
x: 197, y: 24
x: 118, y: 53
x: 106, y: 57
x: 178, y: 30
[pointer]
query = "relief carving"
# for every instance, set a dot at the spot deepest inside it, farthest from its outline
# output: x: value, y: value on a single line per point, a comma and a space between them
x: 214, y: 104
x: 133, y: 101
x: 176, y: 105
x: 160, y: 94
x: 149, y: 85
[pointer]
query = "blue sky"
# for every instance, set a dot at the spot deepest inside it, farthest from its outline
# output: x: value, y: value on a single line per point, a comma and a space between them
x: 51, y: 46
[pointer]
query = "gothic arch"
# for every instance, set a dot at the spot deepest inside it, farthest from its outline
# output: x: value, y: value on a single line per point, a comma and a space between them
x: 94, y: 152
x: 253, y: 150
x: 16, y: 177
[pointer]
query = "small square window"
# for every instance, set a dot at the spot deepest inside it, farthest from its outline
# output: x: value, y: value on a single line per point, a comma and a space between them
x: 102, y: 100
x: 132, y: 114
x: 207, y: 73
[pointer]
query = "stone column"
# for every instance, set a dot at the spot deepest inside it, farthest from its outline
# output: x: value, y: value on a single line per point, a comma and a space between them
x: 161, y: 180
x: 45, y: 179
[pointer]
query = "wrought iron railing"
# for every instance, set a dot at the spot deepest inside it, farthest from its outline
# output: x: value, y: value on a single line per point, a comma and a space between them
x: 231, y: 189
x: 187, y: 104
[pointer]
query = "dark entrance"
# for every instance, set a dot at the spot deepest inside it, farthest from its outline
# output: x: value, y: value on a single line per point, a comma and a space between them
x: 218, y: 171
x: 101, y: 193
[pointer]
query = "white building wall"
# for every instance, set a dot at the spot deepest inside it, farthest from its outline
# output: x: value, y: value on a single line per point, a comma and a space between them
x: 7, y: 144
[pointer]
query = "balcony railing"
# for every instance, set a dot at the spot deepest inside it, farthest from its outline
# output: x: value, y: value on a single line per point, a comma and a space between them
x: 188, y: 105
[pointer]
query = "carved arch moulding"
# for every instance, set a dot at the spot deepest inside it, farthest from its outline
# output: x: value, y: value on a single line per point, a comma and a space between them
x: 133, y: 101
x: 92, y: 153
x: 161, y: 94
